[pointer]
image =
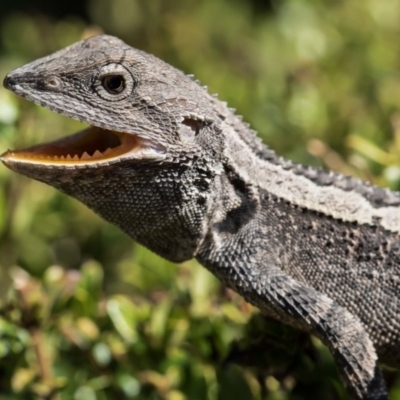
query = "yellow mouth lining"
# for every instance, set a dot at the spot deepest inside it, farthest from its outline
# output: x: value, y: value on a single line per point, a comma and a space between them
x: 90, y: 145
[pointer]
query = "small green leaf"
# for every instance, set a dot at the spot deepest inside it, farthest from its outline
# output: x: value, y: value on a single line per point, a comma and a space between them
x: 85, y: 393
x: 121, y: 312
x: 102, y: 353
x: 130, y: 386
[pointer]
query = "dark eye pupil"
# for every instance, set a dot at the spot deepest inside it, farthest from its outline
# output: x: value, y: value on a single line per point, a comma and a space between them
x: 114, y: 83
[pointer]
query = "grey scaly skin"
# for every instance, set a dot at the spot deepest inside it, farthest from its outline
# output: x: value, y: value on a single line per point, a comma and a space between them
x: 313, y: 249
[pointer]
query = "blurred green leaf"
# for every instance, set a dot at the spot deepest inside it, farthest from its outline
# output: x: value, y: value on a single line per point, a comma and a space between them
x: 122, y: 315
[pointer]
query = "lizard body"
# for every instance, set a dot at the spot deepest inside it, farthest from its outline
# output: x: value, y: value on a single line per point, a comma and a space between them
x: 177, y: 170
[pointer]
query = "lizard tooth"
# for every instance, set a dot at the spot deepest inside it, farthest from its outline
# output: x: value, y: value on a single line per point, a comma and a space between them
x: 62, y: 158
x: 108, y: 151
x: 75, y: 157
x: 85, y: 156
x: 97, y: 154
x: 69, y: 157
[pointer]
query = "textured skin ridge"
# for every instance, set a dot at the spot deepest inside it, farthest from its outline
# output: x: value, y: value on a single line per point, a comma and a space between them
x: 313, y: 249
x: 378, y: 197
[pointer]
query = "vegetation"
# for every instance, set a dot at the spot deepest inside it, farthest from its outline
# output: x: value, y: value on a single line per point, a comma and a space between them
x: 87, y: 314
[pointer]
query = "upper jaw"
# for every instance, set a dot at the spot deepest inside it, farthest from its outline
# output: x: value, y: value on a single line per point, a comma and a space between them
x: 93, y: 146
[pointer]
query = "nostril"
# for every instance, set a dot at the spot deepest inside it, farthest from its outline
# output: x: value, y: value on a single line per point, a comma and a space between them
x: 9, y: 82
x: 51, y: 83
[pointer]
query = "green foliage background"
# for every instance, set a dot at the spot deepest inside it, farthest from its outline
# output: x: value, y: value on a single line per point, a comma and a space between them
x: 87, y: 314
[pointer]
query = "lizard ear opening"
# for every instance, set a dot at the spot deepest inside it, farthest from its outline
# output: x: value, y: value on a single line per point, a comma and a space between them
x: 189, y: 129
x: 91, y: 144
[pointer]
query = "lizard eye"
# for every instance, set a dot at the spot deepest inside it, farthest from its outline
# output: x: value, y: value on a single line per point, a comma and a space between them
x: 114, y: 82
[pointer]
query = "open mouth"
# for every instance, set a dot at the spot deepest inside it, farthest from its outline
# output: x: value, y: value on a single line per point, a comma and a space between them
x: 92, y: 145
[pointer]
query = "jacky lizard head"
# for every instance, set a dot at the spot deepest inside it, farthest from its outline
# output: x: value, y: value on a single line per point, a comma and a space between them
x: 147, y: 162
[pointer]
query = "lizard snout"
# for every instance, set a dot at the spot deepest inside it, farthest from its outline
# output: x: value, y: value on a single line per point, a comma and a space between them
x: 9, y: 82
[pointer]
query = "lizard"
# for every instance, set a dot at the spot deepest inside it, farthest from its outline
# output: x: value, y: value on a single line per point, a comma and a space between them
x: 177, y: 170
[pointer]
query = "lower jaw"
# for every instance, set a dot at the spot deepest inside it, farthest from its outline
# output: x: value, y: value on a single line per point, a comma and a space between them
x: 90, y: 146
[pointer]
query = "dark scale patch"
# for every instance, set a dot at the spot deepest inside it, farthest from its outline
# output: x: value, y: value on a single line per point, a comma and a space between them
x: 357, y: 265
x: 243, y: 213
x: 140, y: 199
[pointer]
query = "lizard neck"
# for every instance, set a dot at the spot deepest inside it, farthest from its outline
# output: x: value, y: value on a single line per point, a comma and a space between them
x: 314, y: 189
